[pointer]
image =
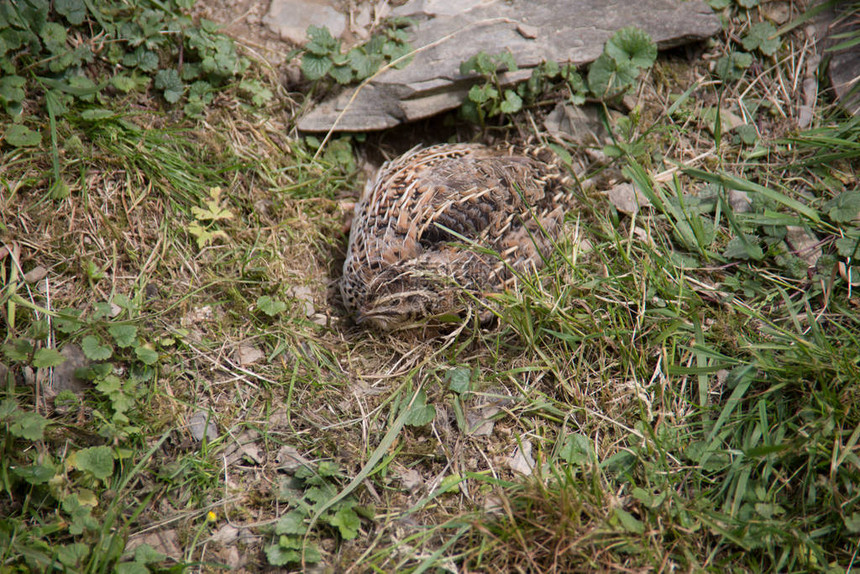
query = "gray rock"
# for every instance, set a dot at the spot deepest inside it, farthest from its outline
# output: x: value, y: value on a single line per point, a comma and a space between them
x: 448, y: 32
x: 201, y: 425
x: 64, y: 378
x: 290, y: 18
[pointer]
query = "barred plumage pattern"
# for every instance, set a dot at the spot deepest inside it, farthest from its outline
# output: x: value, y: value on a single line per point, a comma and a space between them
x: 416, y: 239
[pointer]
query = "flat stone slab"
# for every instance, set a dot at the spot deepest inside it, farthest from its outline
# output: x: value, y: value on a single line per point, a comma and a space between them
x: 448, y: 33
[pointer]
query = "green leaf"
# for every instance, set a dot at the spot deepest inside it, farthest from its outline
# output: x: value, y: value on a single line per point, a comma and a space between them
x: 347, y: 522
x: 458, y: 379
x: 260, y: 95
x: 19, y: 135
x: 270, y: 306
x: 328, y: 469
x: 743, y: 248
x: 54, y: 37
x: 577, y: 449
x: 607, y: 76
x: 732, y: 66
x: 124, y: 335
x: 96, y: 460
x: 48, y: 358
x: 852, y: 523
x: 132, y: 568
x: 146, y: 354
x: 748, y: 3
x: 291, y: 523
x: 633, y: 45
x: 94, y: 350
x: 314, y: 66
x: 75, y: 11
x: 278, y: 556
x: 12, y: 89
x: 29, y: 426
x: 363, y: 65
x: 321, y: 42
x: 123, y: 83
x: 507, y: 60
x: 420, y: 413
x: 848, y: 246
x: 341, y: 74
x: 629, y: 522
x: 844, y: 207
x: 18, y: 350
x: 73, y: 555
x: 169, y: 81
x: 762, y: 36
x: 512, y: 103
x: 481, y: 94
x: 146, y: 554
x: 36, y: 474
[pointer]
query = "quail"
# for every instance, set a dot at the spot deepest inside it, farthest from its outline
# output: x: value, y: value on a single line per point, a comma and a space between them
x: 448, y: 220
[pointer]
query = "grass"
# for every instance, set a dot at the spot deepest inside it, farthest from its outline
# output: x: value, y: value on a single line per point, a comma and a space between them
x: 679, y: 385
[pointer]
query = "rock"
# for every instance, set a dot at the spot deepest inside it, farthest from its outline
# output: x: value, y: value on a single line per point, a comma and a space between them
x: 480, y: 421
x: 740, y: 201
x: 248, y: 355
x: 581, y: 124
x: 304, y: 295
x: 522, y: 461
x: 449, y: 32
x: 164, y: 541
x: 289, y: 460
x: 244, y: 447
x: 227, y: 534
x: 411, y: 480
x: 803, y: 244
x: 64, y: 378
x: 290, y: 18
x: 627, y: 198
x: 200, y: 424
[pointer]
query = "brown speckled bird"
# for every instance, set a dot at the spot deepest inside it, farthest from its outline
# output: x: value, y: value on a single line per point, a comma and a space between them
x: 450, y: 218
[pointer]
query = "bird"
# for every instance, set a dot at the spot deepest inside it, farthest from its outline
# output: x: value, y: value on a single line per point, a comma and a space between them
x: 444, y: 222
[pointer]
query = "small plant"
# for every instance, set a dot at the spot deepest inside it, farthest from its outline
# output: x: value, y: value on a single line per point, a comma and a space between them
x: 213, y: 210
x: 67, y: 53
x: 625, y: 55
x: 79, y: 529
x: 322, y: 55
x: 306, y: 491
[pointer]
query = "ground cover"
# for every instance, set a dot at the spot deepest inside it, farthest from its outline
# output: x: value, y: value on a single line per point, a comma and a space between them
x: 677, y: 389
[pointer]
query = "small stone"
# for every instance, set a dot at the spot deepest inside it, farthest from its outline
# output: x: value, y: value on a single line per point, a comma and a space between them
x: 804, y: 245
x: 247, y: 355
x: 244, y: 447
x: 64, y: 378
x: 227, y: 534
x: 289, y: 460
x: 411, y: 480
x: 201, y: 424
x: 522, y: 461
x: 740, y: 201
x: 480, y: 421
x: 777, y: 12
x: 305, y: 296
x: 627, y: 198
x: 164, y: 541
x: 35, y: 274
